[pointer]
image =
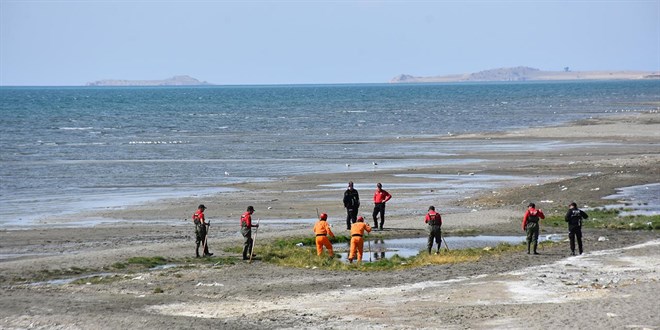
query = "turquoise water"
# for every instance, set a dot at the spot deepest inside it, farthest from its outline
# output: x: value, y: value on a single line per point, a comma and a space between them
x: 68, y: 149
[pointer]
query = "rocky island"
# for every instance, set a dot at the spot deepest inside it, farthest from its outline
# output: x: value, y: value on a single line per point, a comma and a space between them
x: 523, y: 73
x: 173, y: 81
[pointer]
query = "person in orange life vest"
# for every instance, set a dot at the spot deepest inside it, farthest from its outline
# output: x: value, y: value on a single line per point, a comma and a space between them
x: 357, y: 240
x: 380, y: 198
x: 246, y: 231
x: 322, y: 230
x: 434, y: 220
x: 200, y: 230
x: 530, y: 225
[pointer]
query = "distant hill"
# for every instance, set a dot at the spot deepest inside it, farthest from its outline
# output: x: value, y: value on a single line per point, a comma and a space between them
x: 523, y: 73
x: 174, y: 81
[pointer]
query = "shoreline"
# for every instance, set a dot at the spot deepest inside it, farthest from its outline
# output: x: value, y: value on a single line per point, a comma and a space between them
x: 600, y: 153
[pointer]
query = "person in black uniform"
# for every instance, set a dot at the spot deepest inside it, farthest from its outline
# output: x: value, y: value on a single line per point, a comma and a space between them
x: 352, y: 204
x: 574, y: 218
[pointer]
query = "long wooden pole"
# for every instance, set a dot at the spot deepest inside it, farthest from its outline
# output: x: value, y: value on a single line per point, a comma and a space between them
x: 206, y: 237
x: 253, y: 241
x: 443, y: 239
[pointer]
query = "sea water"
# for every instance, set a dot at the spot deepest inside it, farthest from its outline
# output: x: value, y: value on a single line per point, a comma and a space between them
x: 71, y: 149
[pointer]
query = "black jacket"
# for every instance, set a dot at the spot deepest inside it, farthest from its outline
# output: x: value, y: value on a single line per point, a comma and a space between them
x: 351, y: 199
x: 574, y: 217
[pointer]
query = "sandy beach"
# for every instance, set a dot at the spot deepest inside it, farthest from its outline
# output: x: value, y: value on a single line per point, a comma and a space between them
x: 495, y: 175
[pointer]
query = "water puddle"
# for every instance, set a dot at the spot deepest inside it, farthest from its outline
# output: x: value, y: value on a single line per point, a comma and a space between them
x: 637, y: 200
x: 163, y: 267
x: 62, y: 281
x: 409, y: 247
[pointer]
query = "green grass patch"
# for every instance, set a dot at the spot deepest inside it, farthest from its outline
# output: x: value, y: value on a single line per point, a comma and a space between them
x: 147, y: 262
x: 286, y: 252
x: 608, y: 219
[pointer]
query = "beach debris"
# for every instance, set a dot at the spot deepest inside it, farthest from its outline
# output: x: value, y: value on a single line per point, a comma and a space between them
x: 139, y: 278
x: 348, y: 165
x: 209, y: 284
x: 554, y: 237
x: 471, y: 173
x: 375, y: 163
x: 300, y: 244
x: 603, y: 239
x: 612, y: 315
x: 595, y: 189
x: 547, y: 201
x: 226, y: 173
x: 488, y: 248
x: 270, y: 207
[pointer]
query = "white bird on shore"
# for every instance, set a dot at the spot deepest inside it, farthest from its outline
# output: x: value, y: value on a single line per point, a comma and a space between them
x: 375, y: 163
x: 226, y: 173
x: 348, y: 165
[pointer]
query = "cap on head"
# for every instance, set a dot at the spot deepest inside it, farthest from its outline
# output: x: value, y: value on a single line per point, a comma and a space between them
x: 250, y: 208
x: 201, y: 207
x: 324, y: 216
x: 360, y: 219
x: 379, y: 185
x: 573, y: 205
x: 531, y: 205
x: 431, y: 208
x: 350, y: 183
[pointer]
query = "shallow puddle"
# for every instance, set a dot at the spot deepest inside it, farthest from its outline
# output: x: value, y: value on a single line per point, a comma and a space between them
x: 637, y: 200
x: 407, y: 247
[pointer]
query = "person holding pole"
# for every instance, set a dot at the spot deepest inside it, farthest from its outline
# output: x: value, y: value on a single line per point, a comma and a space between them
x: 322, y: 230
x: 201, y: 230
x: 357, y: 239
x: 434, y: 220
x: 246, y: 231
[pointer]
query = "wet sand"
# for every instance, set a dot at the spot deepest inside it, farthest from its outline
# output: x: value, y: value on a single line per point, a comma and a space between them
x: 607, y: 287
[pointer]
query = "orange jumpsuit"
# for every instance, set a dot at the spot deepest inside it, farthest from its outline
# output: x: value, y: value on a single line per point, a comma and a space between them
x: 357, y: 241
x: 322, y: 230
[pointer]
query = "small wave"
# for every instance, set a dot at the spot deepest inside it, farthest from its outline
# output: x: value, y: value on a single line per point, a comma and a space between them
x: 158, y: 142
x: 75, y: 128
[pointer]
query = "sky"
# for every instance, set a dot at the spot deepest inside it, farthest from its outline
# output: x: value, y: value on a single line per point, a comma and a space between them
x: 70, y: 43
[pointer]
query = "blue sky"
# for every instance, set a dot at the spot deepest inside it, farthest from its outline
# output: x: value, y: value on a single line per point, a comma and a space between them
x: 297, y: 42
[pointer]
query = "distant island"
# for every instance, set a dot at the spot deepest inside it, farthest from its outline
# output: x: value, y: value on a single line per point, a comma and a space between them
x: 174, y: 81
x: 523, y: 73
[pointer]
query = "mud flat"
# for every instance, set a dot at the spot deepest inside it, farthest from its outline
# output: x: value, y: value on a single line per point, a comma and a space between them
x: 610, y: 286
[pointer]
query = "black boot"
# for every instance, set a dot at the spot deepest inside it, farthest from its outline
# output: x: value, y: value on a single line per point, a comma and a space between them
x: 206, y: 252
x: 535, y: 245
x: 528, y: 246
x: 197, y: 250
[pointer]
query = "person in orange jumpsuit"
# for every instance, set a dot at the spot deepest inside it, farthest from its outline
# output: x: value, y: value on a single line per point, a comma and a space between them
x: 322, y: 230
x: 357, y: 239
